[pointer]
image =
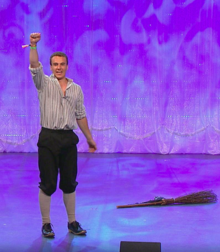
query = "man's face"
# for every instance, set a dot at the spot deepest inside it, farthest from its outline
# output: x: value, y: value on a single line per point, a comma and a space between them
x: 59, y: 67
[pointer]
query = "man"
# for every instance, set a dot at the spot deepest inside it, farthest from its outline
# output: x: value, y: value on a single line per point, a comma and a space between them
x: 61, y: 110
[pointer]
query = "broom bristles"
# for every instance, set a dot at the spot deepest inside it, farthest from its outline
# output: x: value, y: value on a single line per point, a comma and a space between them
x: 193, y: 198
x: 199, y: 197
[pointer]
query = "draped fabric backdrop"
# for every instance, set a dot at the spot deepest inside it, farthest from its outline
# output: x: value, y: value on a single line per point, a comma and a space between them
x: 149, y: 69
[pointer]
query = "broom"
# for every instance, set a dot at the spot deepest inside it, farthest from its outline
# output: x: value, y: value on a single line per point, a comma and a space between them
x: 193, y: 198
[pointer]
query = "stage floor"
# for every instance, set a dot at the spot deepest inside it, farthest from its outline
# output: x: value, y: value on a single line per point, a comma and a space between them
x: 105, y: 181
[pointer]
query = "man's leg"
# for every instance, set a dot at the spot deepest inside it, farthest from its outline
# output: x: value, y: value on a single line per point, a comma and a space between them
x: 68, y: 173
x: 69, y: 200
x: 44, y: 201
x: 48, y: 167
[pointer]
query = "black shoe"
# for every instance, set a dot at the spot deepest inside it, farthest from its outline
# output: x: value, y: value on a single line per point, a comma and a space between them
x: 75, y: 228
x: 47, y: 231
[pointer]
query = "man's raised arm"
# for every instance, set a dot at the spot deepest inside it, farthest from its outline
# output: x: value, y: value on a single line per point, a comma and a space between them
x: 34, y: 61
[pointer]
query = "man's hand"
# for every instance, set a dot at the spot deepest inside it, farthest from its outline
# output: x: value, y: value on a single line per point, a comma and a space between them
x: 92, y: 145
x: 34, y: 38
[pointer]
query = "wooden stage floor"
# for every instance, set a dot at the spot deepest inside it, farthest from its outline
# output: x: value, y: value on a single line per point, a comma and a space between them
x: 105, y: 181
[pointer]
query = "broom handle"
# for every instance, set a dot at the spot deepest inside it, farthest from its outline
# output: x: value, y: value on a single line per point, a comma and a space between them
x: 141, y: 204
x: 161, y: 203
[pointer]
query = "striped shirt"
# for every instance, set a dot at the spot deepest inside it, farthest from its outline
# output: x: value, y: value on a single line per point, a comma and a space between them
x: 58, y: 111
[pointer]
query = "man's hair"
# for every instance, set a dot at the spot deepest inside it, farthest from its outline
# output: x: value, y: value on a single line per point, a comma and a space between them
x: 60, y: 54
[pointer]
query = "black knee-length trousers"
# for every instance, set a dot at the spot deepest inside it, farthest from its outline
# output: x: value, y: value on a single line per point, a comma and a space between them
x: 57, y: 153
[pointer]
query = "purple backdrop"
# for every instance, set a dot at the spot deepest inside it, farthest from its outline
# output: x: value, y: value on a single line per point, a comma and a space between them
x: 149, y: 70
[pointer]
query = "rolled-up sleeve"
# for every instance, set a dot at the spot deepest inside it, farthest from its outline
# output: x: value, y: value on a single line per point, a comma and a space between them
x: 38, y: 76
x: 80, y: 111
